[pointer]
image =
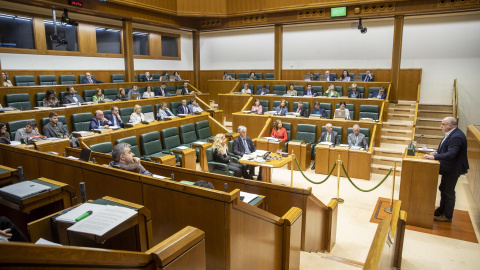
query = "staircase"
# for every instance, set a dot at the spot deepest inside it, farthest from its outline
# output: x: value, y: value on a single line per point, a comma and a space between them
x: 429, y: 119
x: 396, y: 135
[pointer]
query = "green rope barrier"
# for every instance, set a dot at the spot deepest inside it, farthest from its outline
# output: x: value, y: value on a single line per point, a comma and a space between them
x: 365, y: 190
x: 313, y: 182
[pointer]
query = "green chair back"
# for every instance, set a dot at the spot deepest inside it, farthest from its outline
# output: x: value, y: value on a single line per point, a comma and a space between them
x: 187, y: 134
x: 150, y: 143
x: 269, y: 76
x: 306, y: 133
x: 118, y: 78
x: 174, y: 105
x: 19, y: 101
x: 110, y: 93
x: 80, y: 78
x: 368, y: 111
x: 125, y: 113
x: 372, y: 90
x: 259, y: 76
x: 24, y: 80
x: 39, y: 99
x: 242, y: 76
x: 61, y: 118
x: 81, y: 121
x: 47, y: 79
x: 68, y: 79
x: 288, y: 127
x: 88, y: 95
x: 171, y: 89
x: 13, y: 126
x: 339, y: 130
x: 147, y: 108
x: 339, y: 89
x: 132, y: 140
x: 328, y: 108
x: 203, y: 130
x: 233, y: 75
x: 170, y: 138
x: 319, y: 89
x: 156, y: 77
x: 103, y: 147
x: 265, y: 105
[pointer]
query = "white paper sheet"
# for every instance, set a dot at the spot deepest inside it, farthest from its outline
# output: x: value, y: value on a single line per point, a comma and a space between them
x: 78, y: 211
x: 199, y: 142
x: 182, y: 147
x: 247, y: 197
x: 42, y: 241
x: 327, y: 143
x: 159, y: 176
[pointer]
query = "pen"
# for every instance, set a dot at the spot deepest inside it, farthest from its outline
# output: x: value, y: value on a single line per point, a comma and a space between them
x: 84, y: 215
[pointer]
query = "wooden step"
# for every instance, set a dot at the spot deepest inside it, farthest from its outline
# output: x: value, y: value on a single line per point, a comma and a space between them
x: 397, y: 132
x: 389, y: 161
x: 433, y: 114
x: 396, y: 140
x: 401, y: 111
x: 385, y: 152
x: 397, y: 116
x: 424, y: 121
x: 383, y: 169
x: 426, y: 130
x: 405, y: 102
x: 434, y: 107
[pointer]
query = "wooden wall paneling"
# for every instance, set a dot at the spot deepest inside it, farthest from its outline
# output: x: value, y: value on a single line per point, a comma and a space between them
x: 128, y: 53
x: 87, y: 38
x: 278, y: 62
x: 39, y: 35
x: 196, y: 58
x: 396, y: 57
x: 473, y: 151
x: 155, y: 45
x: 409, y: 79
x: 63, y: 170
x: 14, y: 157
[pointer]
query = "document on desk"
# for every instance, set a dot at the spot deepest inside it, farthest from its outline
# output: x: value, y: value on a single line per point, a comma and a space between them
x: 247, y: 197
x: 73, y: 213
x: 199, y: 143
x: 103, y: 221
x: 42, y: 241
x: 182, y: 147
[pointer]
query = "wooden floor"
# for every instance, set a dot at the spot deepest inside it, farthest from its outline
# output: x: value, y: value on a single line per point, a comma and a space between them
x: 460, y: 228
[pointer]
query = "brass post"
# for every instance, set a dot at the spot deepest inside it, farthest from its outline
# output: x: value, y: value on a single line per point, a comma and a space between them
x: 339, y: 200
x: 291, y: 169
x: 390, y: 208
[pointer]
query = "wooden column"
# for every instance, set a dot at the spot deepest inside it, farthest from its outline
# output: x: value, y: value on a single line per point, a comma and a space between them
x: 396, y: 56
x: 196, y: 61
x: 278, y: 51
x: 128, y: 50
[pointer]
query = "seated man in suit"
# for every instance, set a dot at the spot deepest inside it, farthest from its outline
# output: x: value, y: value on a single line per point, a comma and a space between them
x: 123, y: 158
x: 328, y: 136
x: 89, y: 79
x: 185, y: 90
x: 380, y: 94
x: 161, y: 92
x: 194, y: 107
x: 318, y: 111
x: 368, y: 77
x: 115, y: 119
x: 354, y: 93
x: 30, y: 129
x: 309, y: 91
x: 147, y: 77
x: 99, y: 121
x: 356, y: 138
x: 72, y: 97
x: 330, y: 78
x: 301, y: 109
x: 132, y: 91
x: 263, y: 91
x: 184, y: 108
x: 55, y: 129
x: 244, y: 145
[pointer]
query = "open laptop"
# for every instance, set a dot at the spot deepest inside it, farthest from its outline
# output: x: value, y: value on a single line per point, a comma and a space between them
x: 149, y: 117
x: 340, y: 114
x: 322, y: 78
x: 357, y: 78
x: 134, y: 96
x: 306, y: 77
x: 85, y: 154
x: 163, y: 78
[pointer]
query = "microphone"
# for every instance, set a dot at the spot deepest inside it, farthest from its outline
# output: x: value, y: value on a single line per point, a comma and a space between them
x: 226, y: 187
x: 172, y: 176
x: 82, y: 191
x: 21, y: 177
x: 419, y: 137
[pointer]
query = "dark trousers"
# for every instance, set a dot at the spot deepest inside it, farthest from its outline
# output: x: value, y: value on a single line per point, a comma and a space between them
x: 447, y: 195
x: 251, y: 170
x: 17, y: 235
x: 239, y: 169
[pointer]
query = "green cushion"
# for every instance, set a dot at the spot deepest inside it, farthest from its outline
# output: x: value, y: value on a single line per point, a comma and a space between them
x: 24, y: 80
x: 81, y: 121
x: 299, y: 88
x: 88, y: 95
x: 280, y: 87
x: 339, y: 89
x: 265, y: 105
x: 68, y: 79
x: 369, y: 111
x: 306, y: 133
x: 203, y: 130
x: 39, y: 99
x: 142, y: 90
x: 259, y: 75
x: 372, y: 90
x: 232, y: 74
x: 319, y: 90
x: 170, y: 89
x: 110, y: 93
x: 61, y: 118
x: 19, y: 101
x: 118, y: 78
x: 13, y: 126
x: 132, y: 140
x: 151, y: 145
x: 104, y: 147
x: 156, y: 77
x: 174, y: 106
x: 147, y: 108
x: 187, y: 134
x: 80, y: 78
x: 170, y: 138
x: 242, y: 76
x: 212, y: 165
x: 125, y: 113
x: 288, y: 127
x: 47, y: 79
x: 269, y: 76
x: 327, y: 107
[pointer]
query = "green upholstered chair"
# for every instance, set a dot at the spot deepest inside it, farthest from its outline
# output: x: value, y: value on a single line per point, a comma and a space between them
x: 47, y: 79
x: 125, y: 113
x: 259, y: 76
x: 180, y: 86
x: 306, y: 133
x: 141, y: 77
x: 132, y: 140
x: 217, y: 167
x: 288, y: 128
x: 328, y: 109
x: 171, y: 89
x: 242, y: 76
x: 269, y: 76
x: 147, y: 108
x: 103, y: 147
x: 170, y: 140
x: 156, y: 77
x: 136, y: 78
x: 230, y: 151
x: 81, y: 121
x: 319, y: 89
x: 305, y: 104
x: 334, y: 75
x: 156, y: 109
x: 142, y: 90
x: 13, y: 126
x: 360, y: 89
x: 174, y: 105
x: 88, y: 95
x: 339, y: 130
x: 151, y: 145
x: 19, y: 101
x: 24, y: 80
x: 372, y: 90
x: 39, y: 99
x: 265, y: 105
x: 368, y: 111
x: 188, y: 136
x: 351, y: 109
x: 118, y: 78
x: 81, y: 77
x: 300, y: 89
x: 68, y: 79
x: 339, y: 89
x: 351, y: 75
x: 364, y: 131
x: 61, y: 118
x: 233, y: 75
x: 202, y: 129
x: 279, y: 90
x: 110, y: 93
x: 63, y: 94
x: 276, y: 103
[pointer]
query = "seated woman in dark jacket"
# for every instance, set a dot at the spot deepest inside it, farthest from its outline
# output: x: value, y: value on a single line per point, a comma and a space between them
x: 220, y: 154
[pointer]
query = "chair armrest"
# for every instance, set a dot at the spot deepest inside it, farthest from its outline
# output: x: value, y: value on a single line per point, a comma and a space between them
x: 223, y: 166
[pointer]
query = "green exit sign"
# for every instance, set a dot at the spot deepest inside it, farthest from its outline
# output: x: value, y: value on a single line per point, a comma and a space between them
x: 339, y: 12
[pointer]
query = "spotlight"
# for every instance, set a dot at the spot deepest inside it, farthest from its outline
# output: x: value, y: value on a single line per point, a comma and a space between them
x: 360, y: 27
x: 364, y: 30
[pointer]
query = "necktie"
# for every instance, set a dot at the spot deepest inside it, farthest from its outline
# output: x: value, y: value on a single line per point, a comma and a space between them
x: 90, y: 80
x: 168, y: 113
x: 309, y: 93
x: 328, y: 137
x: 356, y: 140
x: 75, y: 99
x: 247, y: 151
x: 115, y: 120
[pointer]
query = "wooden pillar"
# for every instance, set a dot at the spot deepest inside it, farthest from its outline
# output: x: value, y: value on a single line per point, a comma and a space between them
x: 196, y: 60
x: 278, y: 51
x: 396, y: 56
x: 128, y: 50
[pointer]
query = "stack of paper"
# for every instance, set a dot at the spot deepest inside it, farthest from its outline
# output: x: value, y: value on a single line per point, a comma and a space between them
x: 247, y: 197
x: 71, y: 215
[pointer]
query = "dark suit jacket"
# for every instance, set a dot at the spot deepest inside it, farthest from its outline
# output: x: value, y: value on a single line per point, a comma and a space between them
x: 69, y: 99
x: 49, y: 131
x: 303, y: 111
x: 314, y: 93
x: 181, y: 110
x: 368, y: 79
x: 239, y: 149
x: 259, y: 92
x: 375, y: 94
x: 452, y: 154
x: 86, y: 81
x: 322, y: 111
x: 146, y: 79
x: 185, y: 91
x: 334, y: 137
x: 159, y: 93
x: 331, y: 78
x: 111, y: 122
x: 357, y: 94
x: 95, y: 123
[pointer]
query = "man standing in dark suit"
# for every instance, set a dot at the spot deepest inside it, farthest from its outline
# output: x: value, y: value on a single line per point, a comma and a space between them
x: 300, y: 109
x: 452, y: 154
x: 244, y: 145
x: 115, y: 119
x: 328, y: 136
x: 89, y: 79
x: 184, y: 108
x: 368, y: 77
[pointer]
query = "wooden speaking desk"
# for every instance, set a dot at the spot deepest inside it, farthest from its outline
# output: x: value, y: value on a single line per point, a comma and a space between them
x: 268, y: 165
x: 418, y: 189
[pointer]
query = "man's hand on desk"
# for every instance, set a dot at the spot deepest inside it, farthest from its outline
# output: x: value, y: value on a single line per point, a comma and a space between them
x: 433, y: 153
x: 430, y: 156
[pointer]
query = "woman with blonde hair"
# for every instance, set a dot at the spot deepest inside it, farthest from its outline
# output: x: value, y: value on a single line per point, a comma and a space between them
x: 137, y: 115
x: 220, y: 154
x: 121, y: 95
x: 98, y: 96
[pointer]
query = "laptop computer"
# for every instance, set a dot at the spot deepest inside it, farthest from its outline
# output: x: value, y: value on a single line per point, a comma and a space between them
x: 322, y: 78
x: 357, y: 78
x: 23, y: 189
x: 340, y: 114
x: 134, y: 96
x: 163, y: 78
x: 306, y: 77
x: 149, y: 117
x: 85, y: 154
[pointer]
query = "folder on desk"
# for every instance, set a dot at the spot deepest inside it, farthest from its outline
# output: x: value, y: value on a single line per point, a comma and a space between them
x: 22, y: 190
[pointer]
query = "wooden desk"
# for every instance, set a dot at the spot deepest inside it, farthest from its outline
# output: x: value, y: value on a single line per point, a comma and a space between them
x: 7, y: 176
x: 270, y: 145
x: 165, y: 160
x: 188, y: 157
x: 359, y: 164
x: 55, y: 145
x: 60, y: 196
x: 322, y: 158
x: 268, y: 165
x: 134, y: 234
x: 336, y: 151
x: 203, y: 155
x: 418, y: 189
x: 303, y: 152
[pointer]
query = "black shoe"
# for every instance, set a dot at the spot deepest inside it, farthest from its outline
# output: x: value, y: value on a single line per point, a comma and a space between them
x: 437, y: 212
x: 442, y: 218
x: 313, y: 167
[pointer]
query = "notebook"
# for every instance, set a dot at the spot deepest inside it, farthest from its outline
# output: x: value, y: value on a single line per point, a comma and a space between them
x: 85, y: 154
x: 134, y: 96
x: 340, y: 114
x: 23, y: 189
x: 149, y: 117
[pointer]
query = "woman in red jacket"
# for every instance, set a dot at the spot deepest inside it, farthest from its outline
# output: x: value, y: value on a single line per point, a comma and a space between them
x: 278, y: 131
